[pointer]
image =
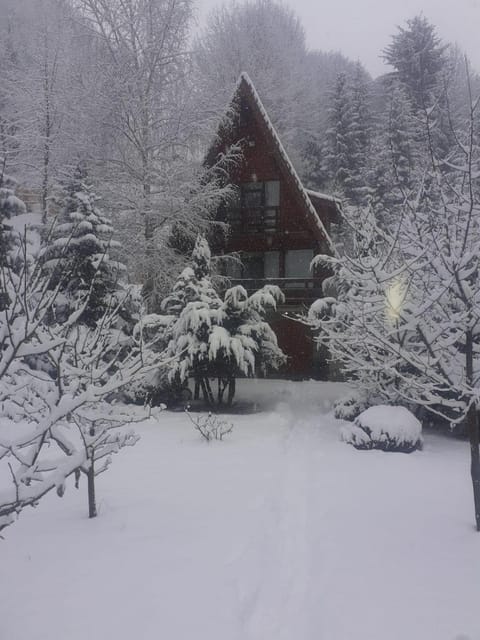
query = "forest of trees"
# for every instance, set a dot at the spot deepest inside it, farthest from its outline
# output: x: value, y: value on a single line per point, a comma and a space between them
x: 128, y: 91
x: 107, y: 108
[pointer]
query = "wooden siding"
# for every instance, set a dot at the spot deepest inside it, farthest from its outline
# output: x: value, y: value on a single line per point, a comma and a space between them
x: 297, y: 229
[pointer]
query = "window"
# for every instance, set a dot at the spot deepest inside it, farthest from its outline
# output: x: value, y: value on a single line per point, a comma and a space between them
x: 253, y: 266
x: 297, y: 263
x: 245, y: 113
x: 256, y: 210
x: 272, y: 264
x: 258, y: 266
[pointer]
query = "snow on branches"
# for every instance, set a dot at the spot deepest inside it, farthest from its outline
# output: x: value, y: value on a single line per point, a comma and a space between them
x: 405, y: 322
x: 51, y: 372
x: 215, y: 338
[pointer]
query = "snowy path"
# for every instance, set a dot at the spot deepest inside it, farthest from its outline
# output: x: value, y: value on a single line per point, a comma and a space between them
x: 280, y: 532
x: 278, y: 552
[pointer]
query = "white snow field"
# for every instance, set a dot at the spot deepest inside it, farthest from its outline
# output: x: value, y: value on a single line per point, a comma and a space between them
x: 280, y: 532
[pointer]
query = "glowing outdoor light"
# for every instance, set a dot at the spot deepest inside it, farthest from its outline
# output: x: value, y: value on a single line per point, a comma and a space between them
x: 395, y: 299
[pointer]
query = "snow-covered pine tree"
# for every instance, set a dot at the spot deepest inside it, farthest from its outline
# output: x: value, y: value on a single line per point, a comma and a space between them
x: 223, y: 342
x: 193, y: 285
x: 211, y: 338
x: 419, y: 58
x: 428, y: 71
x: 194, y: 282
x: 193, y: 289
x: 361, y: 134
x: 10, y: 206
x: 348, y: 136
x: 397, y: 156
x: 339, y: 143
x: 77, y: 253
x: 245, y: 343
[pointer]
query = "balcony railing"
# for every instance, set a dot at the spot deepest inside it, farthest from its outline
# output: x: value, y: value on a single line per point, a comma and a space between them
x: 295, y: 290
x: 254, y: 220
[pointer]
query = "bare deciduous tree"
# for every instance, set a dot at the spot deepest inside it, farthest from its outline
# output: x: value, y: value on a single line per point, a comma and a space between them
x: 405, y: 320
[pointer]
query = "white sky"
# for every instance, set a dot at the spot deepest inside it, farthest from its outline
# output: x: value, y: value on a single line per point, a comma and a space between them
x: 360, y: 29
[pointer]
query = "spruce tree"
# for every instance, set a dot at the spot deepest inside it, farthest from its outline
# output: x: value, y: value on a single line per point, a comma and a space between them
x: 10, y: 206
x: 77, y: 253
x: 360, y: 134
x: 396, y: 153
x: 339, y: 141
x: 418, y: 57
x: 215, y: 339
x: 348, y: 136
x: 194, y: 283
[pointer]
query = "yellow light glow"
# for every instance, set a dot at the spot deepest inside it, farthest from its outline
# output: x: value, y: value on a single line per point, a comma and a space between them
x: 395, y: 299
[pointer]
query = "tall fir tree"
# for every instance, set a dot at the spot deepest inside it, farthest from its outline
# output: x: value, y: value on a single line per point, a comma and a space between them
x: 419, y: 58
x: 338, y: 147
x: 360, y: 133
x: 77, y: 252
x: 396, y: 154
x: 348, y: 136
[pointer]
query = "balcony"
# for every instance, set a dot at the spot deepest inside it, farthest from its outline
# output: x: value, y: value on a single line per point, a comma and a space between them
x: 254, y: 221
x: 297, y: 291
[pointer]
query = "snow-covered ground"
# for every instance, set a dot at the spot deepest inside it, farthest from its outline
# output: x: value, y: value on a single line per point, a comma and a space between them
x: 280, y: 532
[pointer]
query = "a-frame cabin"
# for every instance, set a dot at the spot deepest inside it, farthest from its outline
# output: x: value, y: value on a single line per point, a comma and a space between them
x: 275, y: 225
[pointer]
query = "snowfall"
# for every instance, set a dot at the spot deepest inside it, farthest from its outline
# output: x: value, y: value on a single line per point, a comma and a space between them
x: 279, y: 532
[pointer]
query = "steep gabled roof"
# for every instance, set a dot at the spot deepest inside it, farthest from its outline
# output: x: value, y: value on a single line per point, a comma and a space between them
x: 246, y: 87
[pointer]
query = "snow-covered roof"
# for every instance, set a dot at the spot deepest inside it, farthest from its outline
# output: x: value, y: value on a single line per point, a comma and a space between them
x: 244, y: 78
x: 322, y: 196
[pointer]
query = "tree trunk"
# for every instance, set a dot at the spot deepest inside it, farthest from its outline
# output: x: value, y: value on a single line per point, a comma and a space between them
x: 196, y: 389
x: 92, y: 505
x: 231, y: 391
x: 473, y: 433
x: 207, y: 392
x: 47, y: 140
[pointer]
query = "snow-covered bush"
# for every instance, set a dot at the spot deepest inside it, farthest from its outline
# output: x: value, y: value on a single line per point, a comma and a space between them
x: 386, y: 428
x: 153, y: 387
x: 350, y: 406
x: 156, y: 389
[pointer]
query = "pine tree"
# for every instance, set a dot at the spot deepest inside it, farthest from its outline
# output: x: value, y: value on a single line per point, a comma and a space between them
x: 360, y: 133
x: 339, y: 143
x: 78, y: 252
x: 10, y: 206
x: 252, y: 344
x: 193, y: 287
x: 193, y: 284
x: 211, y: 338
x: 348, y: 136
x: 396, y: 153
x: 418, y: 57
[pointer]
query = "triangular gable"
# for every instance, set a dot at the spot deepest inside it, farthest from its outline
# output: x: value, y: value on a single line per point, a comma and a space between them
x: 245, y: 88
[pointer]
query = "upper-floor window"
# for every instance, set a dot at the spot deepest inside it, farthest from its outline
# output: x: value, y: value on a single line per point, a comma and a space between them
x: 256, y: 209
x: 245, y: 114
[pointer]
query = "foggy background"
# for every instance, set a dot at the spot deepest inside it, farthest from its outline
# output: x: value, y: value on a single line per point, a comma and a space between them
x: 360, y: 29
